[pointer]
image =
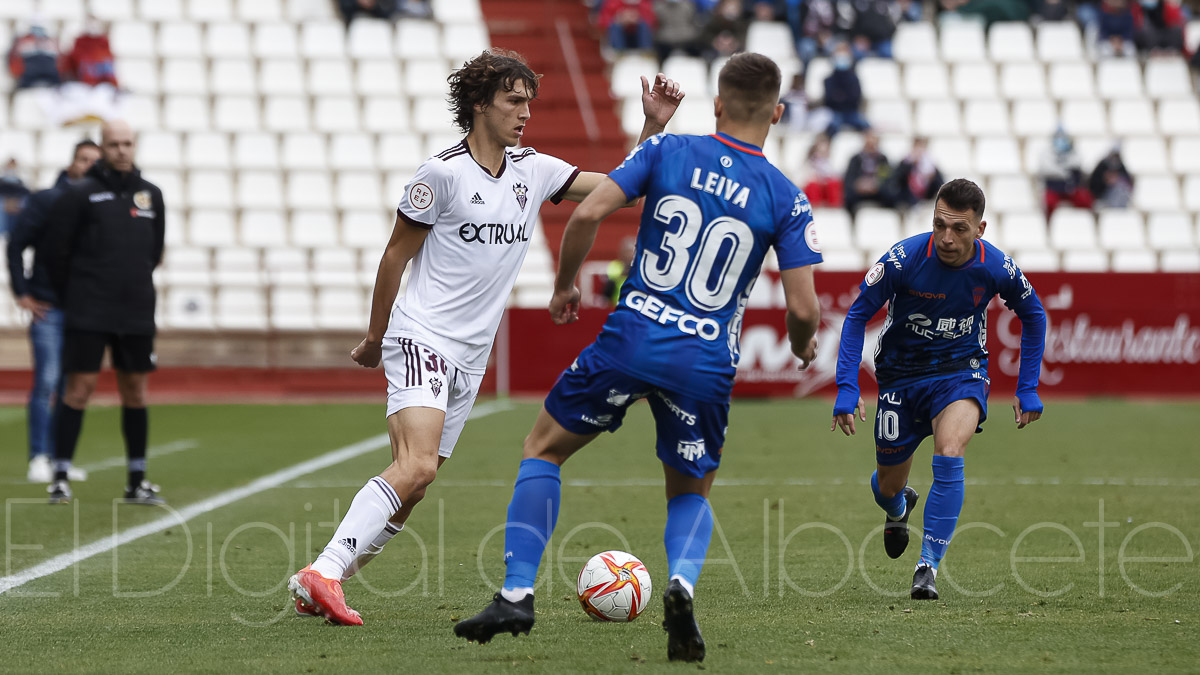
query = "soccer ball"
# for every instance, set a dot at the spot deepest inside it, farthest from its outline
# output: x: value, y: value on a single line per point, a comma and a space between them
x: 613, y: 586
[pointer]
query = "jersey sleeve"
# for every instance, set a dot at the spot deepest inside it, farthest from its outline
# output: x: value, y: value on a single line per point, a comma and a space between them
x: 796, y: 243
x: 633, y: 175
x: 879, y: 284
x: 427, y: 195
x: 1019, y: 296
x: 554, y: 177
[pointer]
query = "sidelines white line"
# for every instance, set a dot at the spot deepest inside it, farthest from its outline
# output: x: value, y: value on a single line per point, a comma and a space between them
x: 65, y: 560
x: 792, y: 482
x: 153, y: 451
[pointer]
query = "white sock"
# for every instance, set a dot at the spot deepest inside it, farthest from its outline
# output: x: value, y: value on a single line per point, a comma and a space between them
x: 687, y: 585
x: 931, y: 567
x: 370, y: 511
x: 373, y: 549
x: 515, y: 594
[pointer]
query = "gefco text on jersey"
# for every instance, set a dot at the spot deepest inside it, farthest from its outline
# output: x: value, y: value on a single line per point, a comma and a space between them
x: 725, y: 188
x: 493, y: 233
x: 654, y: 308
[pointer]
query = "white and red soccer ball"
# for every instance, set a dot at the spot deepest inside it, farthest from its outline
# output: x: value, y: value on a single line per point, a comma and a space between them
x: 613, y: 586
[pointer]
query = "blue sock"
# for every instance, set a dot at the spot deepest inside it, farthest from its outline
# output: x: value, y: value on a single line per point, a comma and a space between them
x: 531, y: 517
x: 942, y: 508
x: 893, y: 506
x: 689, y: 529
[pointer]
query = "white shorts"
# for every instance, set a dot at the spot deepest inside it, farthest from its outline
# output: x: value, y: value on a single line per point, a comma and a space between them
x: 418, y: 377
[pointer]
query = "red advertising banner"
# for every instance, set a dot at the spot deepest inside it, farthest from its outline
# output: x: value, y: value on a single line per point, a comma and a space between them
x: 1108, y: 335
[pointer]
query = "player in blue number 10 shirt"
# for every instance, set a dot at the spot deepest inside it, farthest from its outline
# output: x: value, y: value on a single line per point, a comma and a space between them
x: 931, y: 364
x: 714, y: 206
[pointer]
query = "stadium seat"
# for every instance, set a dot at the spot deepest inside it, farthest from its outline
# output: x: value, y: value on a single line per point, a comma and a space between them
x: 234, y: 76
x: 292, y: 309
x: 463, y: 41
x: 341, y: 309
x: 1180, y: 261
x: 335, y: 266
x: 1185, y: 154
x: 1010, y: 193
x: 1023, y: 231
x: 894, y: 116
x: 418, y: 39
x: 435, y: 143
x: 1084, y: 117
x: 139, y: 110
x: 840, y: 260
x: 377, y: 78
x: 61, y: 9
x: 451, y: 11
x: 833, y: 230
x: 1168, y: 78
x: 282, y: 77
x: 159, y: 150
x: 286, y: 113
x: 962, y: 42
x: 1072, y: 229
x: 880, y: 78
x: 926, y: 81
x: 1131, y: 117
x: 430, y: 116
x: 915, y: 42
x: 227, y: 40
x: 56, y: 148
x: 206, y: 150
x: 160, y: 10
x: 184, y: 76
x: 1090, y: 260
x: 844, y: 146
x: 171, y: 185
x: 259, y: 10
x: 210, y: 189
x: 19, y: 145
x: 1157, y: 193
x: 112, y: 10
x: 1134, y: 260
x: 1179, y: 116
x: 937, y: 118
x: 399, y: 151
x: 336, y: 114
x: 322, y: 40
x: 330, y: 77
x: 383, y: 115
x: 370, y: 39
x: 260, y: 190
x: 255, y: 150
x: 875, y: 230
x: 690, y: 72
x: 176, y: 225
x: 313, y: 229
x: 16, y: 9
x: 1059, y: 41
x: 286, y: 266
x: 427, y: 77
x: 1170, y: 231
x: 186, y: 113
x: 30, y: 108
x: 365, y: 229
x: 358, y: 190
x: 769, y: 38
x: 352, y: 151
x: 309, y: 190
x: 189, y: 307
x: 262, y: 229
x: 210, y: 10
x: 1072, y: 81
x: 275, y: 41
x: 814, y: 78
x: 211, y: 228
x: 178, y: 39
x: 303, y: 10
x: 1119, y: 78
x: 138, y: 75
x: 1023, y: 81
x: 1010, y: 41
x: 1121, y: 229
x: 237, y: 266
x: 131, y: 39
x: 1145, y: 154
x: 997, y: 155
x: 1034, y: 118
x: 240, y: 308
x: 986, y: 117
x: 1191, y: 192
x: 187, y: 266
x: 972, y: 81
x: 952, y: 154
x: 236, y: 113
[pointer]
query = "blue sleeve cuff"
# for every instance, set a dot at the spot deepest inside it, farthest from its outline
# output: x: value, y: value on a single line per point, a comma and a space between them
x: 1030, y: 402
x: 847, y: 401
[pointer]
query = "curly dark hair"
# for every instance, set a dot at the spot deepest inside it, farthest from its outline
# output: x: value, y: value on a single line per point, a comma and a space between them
x: 478, y: 81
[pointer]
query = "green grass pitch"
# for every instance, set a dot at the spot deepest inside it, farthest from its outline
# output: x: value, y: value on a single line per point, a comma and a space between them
x: 797, y: 579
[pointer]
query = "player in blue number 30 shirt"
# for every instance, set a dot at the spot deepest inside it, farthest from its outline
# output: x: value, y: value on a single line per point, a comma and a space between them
x: 714, y: 206
x: 931, y: 364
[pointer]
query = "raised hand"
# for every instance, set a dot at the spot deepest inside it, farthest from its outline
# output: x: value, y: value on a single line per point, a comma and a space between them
x: 660, y: 102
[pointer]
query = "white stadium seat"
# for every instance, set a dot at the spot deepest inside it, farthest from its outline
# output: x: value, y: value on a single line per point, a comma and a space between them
x: 844, y: 146
x: 330, y: 77
x: 463, y: 41
x: 1086, y: 260
x: 236, y: 113
x: 256, y: 150
x: 880, y: 78
x: 237, y: 266
x: 260, y: 190
x: 112, y: 10
x: 212, y: 228
x: 1024, y: 231
x: 952, y: 154
x: 16, y: 9
x: 207, y: 150
x: 1168, y: 78
x: 1180, y: 261
x: 210, y: 10
x: 336, y: 114
x: 1119, y: 78
x: 1156, y: 193
x: 335, y: 266
x: 1131, y: 117
x: 893, y: 116
x: 690, y: 72
x: 341, y: 309
x: 833, y: 229
x: 1134, y: 260
x: 138, y: 75
x: 234, y: 76
x: 975, y: 81
x: 1072, y: 81
x: 1167, y: 231
x: 377, y: 78
x: 292, y: 309
x: 915, y: 42
x: 772, y: 39
x: 210, y: 189
x: 61, y: 9
x: 997, y: 155
x: 1010, y: 41
x: 365, y: 229
x: 386, y: 115
x: 227, y: 40
x: 1010, y: 193
x: 184, y: 265
x: 159, y: 150
x: 962, y: 41
x: 259, y: 10
x: 184, y: 76
x: 814, y: 78
x: 179, y: 39
x: 430, y: 116
x: 1023, y: 81
x: 1059, y: 41
x: 627, y: 71
x: 286, y: 113
x: 926, y: 81
x: 160, y: 10
x: 937, y: 118
x: 1072, y: 228
x: 418, y: 39
x: 1185, y: 154
x: 451, y: 11
x: 240, y: 309
x: 304, y: 150
x: 875, y: 230
x: 352, y: 151
x: 322, y: 39
x: 282, y: 77
x: 358, y: 190
x: 313, y: 229
x: 1179, y: 116
x: 1084, y: 117
x: 309, y: 190
x: 262, y: 229
x: 1121, y: 229
x: 1191, y: 193
x: 1144, y: 154
x: 186, y: 113
x: 189, y: 307
x: 131, y: 39
x: 985, y: 117
x: 19, y: 145
x: 171, y: 184
x: 1037, y: 260
x: 286, y: 266
x: 275, y: 40
x: 1034, y: 118
x: 399, y: 151
x: 370, y: 39
x: 303, y: 10
x: 427, y: 77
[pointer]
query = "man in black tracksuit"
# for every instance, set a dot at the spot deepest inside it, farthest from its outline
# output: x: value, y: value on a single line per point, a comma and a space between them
x: 107, y: 236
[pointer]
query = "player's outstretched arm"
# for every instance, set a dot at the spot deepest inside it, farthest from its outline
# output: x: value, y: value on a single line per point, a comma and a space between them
x: 405, y: 242
x: 659, y: 104
x: 803, y: 312
x: 577, y: 240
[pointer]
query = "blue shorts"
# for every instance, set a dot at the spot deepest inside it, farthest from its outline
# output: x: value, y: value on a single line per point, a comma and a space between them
x: 905, y: 415
x: 593, y: 396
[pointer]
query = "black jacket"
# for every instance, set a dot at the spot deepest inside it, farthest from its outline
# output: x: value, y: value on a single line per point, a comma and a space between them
x: 843, y: 92
x: 107, y: 237
x: 30, y: 230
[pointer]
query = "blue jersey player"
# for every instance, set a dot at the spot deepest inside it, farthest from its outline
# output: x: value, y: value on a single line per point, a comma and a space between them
x: 931, y: 364
x: 714, y: 206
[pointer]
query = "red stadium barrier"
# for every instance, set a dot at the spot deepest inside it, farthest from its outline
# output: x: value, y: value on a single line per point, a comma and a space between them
x: 1108, y: 335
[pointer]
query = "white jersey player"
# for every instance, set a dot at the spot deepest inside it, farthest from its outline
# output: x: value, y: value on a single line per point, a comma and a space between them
x: 465, y: 222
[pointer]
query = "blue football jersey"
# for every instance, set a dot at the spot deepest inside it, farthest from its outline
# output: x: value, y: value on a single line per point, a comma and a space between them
x: 713, y: 207
x: 936, y: 321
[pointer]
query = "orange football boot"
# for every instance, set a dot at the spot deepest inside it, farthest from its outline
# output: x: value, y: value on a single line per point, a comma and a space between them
x: 324, y: 596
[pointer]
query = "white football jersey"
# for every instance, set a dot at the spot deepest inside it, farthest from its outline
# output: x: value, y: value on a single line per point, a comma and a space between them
x: 479, y: 230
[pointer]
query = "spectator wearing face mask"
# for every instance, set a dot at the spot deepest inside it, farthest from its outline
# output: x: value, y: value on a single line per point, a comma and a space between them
x: 1062, y: 175
x: 34, y: 59
x: 843, y: 93
x: 1159, y: 27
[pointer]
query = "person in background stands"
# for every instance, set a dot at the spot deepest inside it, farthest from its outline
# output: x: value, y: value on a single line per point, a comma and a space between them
x: 843, y: 93
x: 1062, y: 175
x: 867, y: 175
x: 1110, y: 182
x: 618, y: 270
x: 822, y: 185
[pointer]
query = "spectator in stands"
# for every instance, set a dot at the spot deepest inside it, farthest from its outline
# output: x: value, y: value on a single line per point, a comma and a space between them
x: 12, y: 194
x: 725, y: 32
x: 1110, y: 182
x: 867, y: 176
x: 916, y: 178
x: 1159, y: 27
x: 629, y: 24
x: 1052, y: 10
x: 817, y: 30
x: 379, y: 9
x: 872, y: 28
x: 618, y: 270
x: 843, y: 93
x: 1115, y: 29
x: 910, y: 10
x: 1063, y: 177
x: 34, y: 59
x: 91, y: 58
x: 417, y: 9
x: 798, y: 117
x: 821, y: 182
x: 990, y: 11
x: 768, y: 10
x: 1087, y: 12
x: 678, y: 28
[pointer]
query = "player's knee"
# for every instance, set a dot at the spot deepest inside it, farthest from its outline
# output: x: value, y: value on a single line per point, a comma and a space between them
x: 78, y: 391
x: 420, y: 477
x: 951, y: 450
